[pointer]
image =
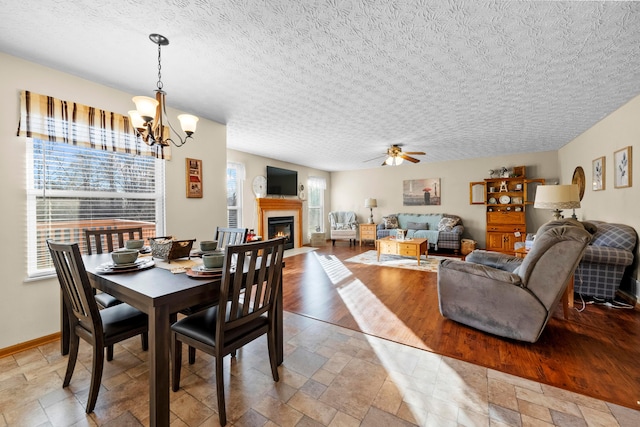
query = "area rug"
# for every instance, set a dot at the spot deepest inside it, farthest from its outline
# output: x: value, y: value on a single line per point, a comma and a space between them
x: 429, y: 263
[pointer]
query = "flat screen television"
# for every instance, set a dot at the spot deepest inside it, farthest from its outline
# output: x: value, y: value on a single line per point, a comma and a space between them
x: 281, y: 182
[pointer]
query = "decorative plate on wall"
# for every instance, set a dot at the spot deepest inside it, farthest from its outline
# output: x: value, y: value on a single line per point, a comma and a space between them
x: 578, y: 179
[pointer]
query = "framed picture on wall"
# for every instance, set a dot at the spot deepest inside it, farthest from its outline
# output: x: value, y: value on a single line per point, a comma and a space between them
x: 194, y: 178
x: 622, y: 165
x: 417, y: 192
x: 598, y: 174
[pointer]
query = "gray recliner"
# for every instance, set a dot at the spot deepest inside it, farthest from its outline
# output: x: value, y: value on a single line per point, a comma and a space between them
x: 508, y: 296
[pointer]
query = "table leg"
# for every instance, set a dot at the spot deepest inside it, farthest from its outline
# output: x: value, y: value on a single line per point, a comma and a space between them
x: 279, y: 326
x: 159, y: 344
x: 567, y: 298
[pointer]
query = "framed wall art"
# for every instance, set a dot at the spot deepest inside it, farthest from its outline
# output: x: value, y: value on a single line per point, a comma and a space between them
x: 622, y: 166
x: 598, y: 174
x: 420, y: 192
x: 194, y: 178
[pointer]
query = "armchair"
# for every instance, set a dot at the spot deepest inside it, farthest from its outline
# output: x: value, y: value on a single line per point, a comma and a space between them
x: 508, y: 296
x: 344, y: 225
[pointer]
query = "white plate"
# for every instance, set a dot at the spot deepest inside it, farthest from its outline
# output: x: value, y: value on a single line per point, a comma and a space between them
x: 127, y: 265
x: 505, y: 200
x: 492, y: 201
x: 202, y: 268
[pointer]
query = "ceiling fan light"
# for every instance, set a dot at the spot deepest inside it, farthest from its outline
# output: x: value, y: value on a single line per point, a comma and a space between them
x: 188, y: 123
x: 389, y: 161
x: 146, y: 107
x: 399, y: 160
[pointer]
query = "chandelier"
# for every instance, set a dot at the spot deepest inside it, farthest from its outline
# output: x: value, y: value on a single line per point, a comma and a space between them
x: 150, y: 115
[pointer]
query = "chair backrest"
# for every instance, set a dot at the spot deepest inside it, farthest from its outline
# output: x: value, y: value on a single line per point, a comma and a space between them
x: 253, y: 293
x: 345, y: 218
x: 95, y: 239
x: 76, y: 288
x: 548, y: 266
x: 230, y: 236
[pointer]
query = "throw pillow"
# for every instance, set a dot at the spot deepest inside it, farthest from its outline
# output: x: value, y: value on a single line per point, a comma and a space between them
x: 447, y: 224
x: 417, y: 225
x: 390, y: 221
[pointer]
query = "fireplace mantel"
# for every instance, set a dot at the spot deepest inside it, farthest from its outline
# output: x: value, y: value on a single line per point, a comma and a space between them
x: 267, y: 205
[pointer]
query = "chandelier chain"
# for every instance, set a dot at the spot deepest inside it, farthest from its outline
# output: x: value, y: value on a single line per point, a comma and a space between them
x: 159, y: 84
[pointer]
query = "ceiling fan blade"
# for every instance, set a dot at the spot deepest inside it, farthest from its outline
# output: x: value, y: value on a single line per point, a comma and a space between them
x: 384, y: 163
x: 375, y: 158
x: 411, y: 159
x: 419, y: 153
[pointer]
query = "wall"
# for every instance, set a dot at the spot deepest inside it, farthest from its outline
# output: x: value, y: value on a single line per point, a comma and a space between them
x: 350, y: 189
x: 257, y: 165
x: 29, y: 309
x: 620, y: 205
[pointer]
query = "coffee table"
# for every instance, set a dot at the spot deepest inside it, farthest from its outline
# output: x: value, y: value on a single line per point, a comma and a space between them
x: 407, y: 247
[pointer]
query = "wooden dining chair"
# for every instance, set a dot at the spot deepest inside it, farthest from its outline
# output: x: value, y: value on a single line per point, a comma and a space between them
x: 230, y: 236
x: 224, y: 236
x: 100, y: 328
x: 247, y: 310
x: 96, y: 240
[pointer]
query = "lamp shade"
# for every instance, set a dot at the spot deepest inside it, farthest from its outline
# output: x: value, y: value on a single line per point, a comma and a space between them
x: 370, y: 203
x: 557, y: 197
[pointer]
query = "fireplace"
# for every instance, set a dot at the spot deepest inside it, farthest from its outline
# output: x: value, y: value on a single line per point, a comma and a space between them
x: 282, y: 226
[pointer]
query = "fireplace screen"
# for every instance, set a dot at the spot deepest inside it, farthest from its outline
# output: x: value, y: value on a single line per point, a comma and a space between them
x: 281, y: 226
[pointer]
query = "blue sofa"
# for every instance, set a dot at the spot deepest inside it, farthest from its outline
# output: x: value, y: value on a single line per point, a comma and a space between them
x: 442, y: 230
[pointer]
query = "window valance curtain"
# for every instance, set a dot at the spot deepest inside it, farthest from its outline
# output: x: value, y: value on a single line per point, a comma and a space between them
x: 317, y: 182
x: 50, y: 119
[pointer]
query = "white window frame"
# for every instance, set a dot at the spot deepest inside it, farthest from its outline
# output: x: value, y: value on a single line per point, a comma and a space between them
x: 316, y: 184
x: 240, y: 177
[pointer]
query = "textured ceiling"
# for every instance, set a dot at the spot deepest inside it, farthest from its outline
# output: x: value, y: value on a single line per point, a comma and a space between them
x: 332, y: 83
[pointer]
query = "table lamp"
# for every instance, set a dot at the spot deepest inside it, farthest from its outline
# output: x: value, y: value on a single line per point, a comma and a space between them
x: 370, y: 203
x: 557, y: 197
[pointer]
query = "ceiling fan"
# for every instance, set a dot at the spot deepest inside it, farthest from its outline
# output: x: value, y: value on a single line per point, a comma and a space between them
x: 396, y: 156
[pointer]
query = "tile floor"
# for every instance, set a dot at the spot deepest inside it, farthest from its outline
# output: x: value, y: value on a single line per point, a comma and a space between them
x: 330, y: 377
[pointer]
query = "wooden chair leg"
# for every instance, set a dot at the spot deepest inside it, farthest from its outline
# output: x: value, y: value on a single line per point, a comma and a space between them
x: 222, y: 411
x: 74, y: 344
x: 96, y: 377
x: 145, y: 341
x: 109, y: 353
x: 192, y: 355
x: 176, y: 352
x: 271, y: 344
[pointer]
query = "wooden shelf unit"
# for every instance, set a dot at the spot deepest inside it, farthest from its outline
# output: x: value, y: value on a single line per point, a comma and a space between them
x: 506, y: 201
x: 368, y: 232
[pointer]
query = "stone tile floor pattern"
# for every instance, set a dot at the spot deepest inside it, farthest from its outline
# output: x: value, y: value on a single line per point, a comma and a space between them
x: 331, y: 376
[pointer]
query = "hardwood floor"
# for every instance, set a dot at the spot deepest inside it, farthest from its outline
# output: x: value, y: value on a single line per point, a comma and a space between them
x: 596, y: 352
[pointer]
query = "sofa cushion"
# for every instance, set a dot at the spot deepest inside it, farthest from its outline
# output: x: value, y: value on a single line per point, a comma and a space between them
x: 417, y: 225
x: 390, y: 221
x: 447, y: 224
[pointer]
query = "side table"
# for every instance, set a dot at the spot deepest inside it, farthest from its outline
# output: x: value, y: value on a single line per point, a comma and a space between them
x: 368, y: 232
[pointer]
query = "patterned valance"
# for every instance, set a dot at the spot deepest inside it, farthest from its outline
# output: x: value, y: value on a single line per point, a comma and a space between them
x: 50, y: 119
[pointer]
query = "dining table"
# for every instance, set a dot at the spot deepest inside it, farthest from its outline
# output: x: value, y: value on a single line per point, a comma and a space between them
x: 161, y: 294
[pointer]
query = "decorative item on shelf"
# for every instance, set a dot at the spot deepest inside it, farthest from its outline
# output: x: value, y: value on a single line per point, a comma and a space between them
x: 504, y: 172
x: 505, y: 200
x: 492, y: 200
x: 503, y: 187
x: 370, y: 203
x: 517, y: 200
x: 518, y: 187
x: 557, y: 197
x: 149, y: 117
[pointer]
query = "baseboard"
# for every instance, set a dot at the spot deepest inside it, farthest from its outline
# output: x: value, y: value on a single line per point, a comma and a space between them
x: 8, y: 351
